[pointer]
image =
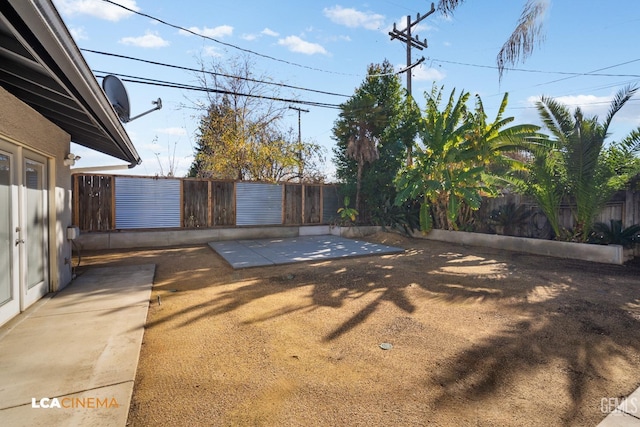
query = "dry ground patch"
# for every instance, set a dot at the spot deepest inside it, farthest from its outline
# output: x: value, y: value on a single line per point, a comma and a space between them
x: 480, y: 337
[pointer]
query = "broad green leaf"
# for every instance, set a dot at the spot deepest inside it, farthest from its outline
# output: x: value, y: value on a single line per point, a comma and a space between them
x: 426, y: 222
x: 454, y: 205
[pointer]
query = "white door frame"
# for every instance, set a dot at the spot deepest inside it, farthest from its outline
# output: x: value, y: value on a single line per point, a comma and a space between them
x: 34, y: 229
x: 28, y: 235
x: 10, y: 243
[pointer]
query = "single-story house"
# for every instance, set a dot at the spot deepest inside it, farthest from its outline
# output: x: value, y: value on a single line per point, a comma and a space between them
x: 48, y: 98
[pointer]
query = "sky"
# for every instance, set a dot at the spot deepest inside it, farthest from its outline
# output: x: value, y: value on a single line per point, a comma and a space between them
x: 318, y: 52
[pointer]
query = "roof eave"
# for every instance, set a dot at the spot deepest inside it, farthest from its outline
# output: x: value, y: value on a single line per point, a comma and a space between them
x: 68, y: 67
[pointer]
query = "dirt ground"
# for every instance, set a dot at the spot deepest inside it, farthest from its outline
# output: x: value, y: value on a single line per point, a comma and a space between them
x: 480, y: 337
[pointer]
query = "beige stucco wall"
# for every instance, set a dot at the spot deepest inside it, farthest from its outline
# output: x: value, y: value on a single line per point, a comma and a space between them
x: 24, y: 127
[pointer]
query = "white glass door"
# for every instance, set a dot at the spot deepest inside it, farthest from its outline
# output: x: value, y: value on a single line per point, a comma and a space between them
x: 9, y: 235
x: 34, y: 229
x: 24, y: 229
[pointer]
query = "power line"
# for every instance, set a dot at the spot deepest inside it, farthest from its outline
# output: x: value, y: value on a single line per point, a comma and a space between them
x: 179, y: 67
x: 523, y: 70
x: 581, y: 104
x: 591, y: 73
x: 173, y: 85
x: 221, y: 42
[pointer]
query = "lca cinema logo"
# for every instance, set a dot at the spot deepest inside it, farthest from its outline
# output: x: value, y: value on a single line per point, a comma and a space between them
x: 74, y: 403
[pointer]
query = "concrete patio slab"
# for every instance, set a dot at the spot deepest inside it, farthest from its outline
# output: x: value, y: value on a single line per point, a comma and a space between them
x: 256, y: 253
x: 620, y: 419
x: 627, y: 414
x: 81, y: 347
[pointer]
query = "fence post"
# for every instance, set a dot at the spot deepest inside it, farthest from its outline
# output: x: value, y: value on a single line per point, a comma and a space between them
x: 303, y: 196
x: 627, y: 211
x: 113, y: 203
x: 76, y: 206
x: 322, y: 203
x: 209, y: 204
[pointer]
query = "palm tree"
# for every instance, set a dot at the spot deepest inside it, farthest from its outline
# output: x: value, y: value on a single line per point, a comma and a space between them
x: 362, y: 115
x: 375, y: 105
x: 544, y: 179
x: 406, y: 124
x: 525, y: 36
x: 614, y: 234
x: 592, y: 172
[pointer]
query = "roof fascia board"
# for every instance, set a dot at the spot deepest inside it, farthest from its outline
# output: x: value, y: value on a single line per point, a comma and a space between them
x: 48, y: 28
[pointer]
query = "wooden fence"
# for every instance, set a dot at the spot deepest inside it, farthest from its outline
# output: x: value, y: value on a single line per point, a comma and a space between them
x: 144, y: 202
x: 97, y: 206
x: 623, y: 206
x: 93, y: 208
x: 207, y: 203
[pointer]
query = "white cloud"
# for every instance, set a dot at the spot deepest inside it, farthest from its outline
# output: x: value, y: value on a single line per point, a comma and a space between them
x: 266, y: 32
x: 337, y: 38
x: 296, y: 44
x: 79, y: 33
x: 217, y: 32
x: 626, y: 120
x: 97, y: 8
x: 353, y: 18
x: 420, y: 29
x: 423, y: 28
x: 589, y: 104
x: 153, y: 147
x: 422, y: 74
x: 173, y: 131
x: 212, y: 51
x: 269, y: 32
x: 149, y: 40
x: 592, y: 105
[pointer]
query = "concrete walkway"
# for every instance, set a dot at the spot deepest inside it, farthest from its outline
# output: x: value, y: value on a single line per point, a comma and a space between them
x: 258, y: 253
x: 77, y: 349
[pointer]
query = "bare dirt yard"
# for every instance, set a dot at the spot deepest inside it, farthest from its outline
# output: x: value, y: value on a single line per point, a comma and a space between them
x: 479, y: 337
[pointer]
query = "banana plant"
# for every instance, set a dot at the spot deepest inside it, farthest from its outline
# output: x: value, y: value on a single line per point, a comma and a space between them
x: 451, y: 166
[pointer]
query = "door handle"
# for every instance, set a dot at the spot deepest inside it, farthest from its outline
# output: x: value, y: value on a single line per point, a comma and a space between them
x: 18, y: 241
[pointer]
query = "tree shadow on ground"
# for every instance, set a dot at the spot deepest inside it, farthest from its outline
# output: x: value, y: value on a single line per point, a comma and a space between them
x: 581, y: 339
x: 584, y: 327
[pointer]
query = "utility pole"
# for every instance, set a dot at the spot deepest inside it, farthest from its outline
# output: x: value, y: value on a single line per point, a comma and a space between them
x: 300, y: 166
x: 406, y: 37
x: 411, y: 41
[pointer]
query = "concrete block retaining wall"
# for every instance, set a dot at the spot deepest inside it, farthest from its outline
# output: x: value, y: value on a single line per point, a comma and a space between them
x: 609, y: 254
x: 164, y: 238
x: 178, y: 237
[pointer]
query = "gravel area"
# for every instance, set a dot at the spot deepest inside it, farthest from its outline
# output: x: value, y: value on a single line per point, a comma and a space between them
x: 478, y: 337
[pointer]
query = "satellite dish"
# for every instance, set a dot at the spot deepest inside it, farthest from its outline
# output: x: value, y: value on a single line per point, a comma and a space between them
x: 117, y: 95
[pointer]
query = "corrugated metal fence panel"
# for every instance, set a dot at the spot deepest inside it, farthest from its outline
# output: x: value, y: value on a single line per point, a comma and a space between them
x: 258, y: 204
x: 147, y: 203
x: 330, y: 203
